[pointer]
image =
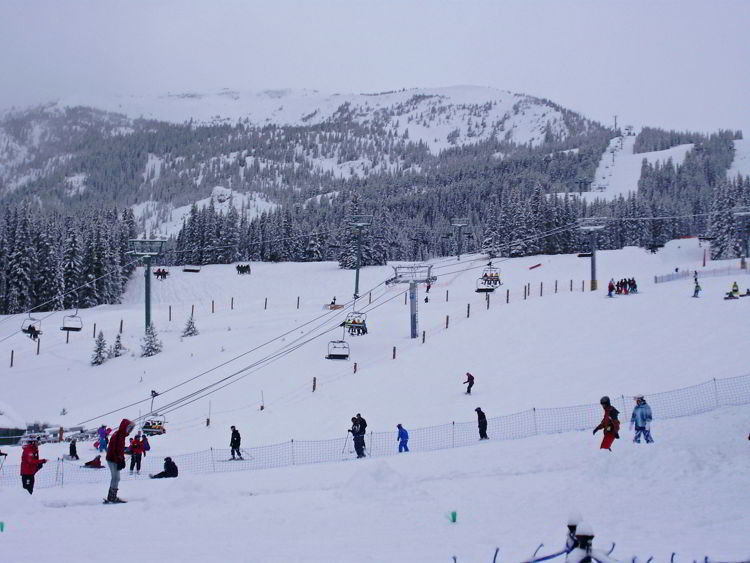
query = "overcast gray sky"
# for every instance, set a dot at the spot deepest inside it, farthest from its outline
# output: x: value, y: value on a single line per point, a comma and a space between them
x: 681, y: 64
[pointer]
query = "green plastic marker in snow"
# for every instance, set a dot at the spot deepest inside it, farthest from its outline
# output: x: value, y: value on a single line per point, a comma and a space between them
x: 453, y: 516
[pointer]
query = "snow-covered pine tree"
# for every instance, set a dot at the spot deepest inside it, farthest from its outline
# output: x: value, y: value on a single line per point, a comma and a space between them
x: 117, y: 349
x: 100, y: 350
x: 190, y: 329
x: 150, y: 345
x: 491, y: 239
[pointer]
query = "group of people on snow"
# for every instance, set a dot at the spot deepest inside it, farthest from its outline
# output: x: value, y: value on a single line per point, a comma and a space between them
x: 610, y: 424
x: 622, y: 287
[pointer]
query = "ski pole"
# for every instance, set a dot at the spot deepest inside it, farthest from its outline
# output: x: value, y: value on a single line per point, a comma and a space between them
x: 345, y: 442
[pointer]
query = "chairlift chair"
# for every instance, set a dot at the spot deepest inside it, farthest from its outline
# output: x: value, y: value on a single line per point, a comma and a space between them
x: 356, y: 322
x: 72, y: 323
x: 154, y: 425
x: 484, y: 285
x: 31, y: 327
x: 338, y: 350
x: 193, y: 269
x: 492, y: 275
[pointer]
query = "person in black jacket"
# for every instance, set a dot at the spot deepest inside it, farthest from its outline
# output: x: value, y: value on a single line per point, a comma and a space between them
x: 234, y: 443
x: 482, y: 420
x: 170, y: 470
x: 73, y: 450
x: 358, y: 437
x: 362, y: 424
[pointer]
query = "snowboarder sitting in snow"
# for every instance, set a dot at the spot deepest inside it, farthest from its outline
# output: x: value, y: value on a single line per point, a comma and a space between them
x: 610, y: 424
x: 735, y: 289
x: 170, y: 470
x: 30, y: 464
x: 234, y: 443
x: 403, y: 439
x: 641, y: 418
x: 95, y: 463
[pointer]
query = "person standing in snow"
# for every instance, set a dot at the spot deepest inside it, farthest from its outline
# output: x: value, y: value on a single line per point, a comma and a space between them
x: 103, y: 438
x: 30, y: 464
x: 482, y: 423
x: 146, y: 445
x: 136, y: 453
x: 403, y: 439
x: 362, y: 424
x: 697, y: 289
x: 73, y: 452
x: 170, y: 470
x: 641, y: 419
x: 116, y: 458
x: 610, y: 424
x: 358, y: 437
x: 234, y: 443
x: 610, y: 287
x: 470, y: 381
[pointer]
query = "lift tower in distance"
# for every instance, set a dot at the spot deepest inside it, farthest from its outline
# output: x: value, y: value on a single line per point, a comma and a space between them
x: 147, y: 249
x: 413, y: 275
x: 592, y: 226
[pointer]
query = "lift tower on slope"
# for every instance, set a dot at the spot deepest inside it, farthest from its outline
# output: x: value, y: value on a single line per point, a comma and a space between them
x: 459, y: 224
x: 592, y: 225
x: 147, y: 249
x: 413, y: 274
x: 359, y: 222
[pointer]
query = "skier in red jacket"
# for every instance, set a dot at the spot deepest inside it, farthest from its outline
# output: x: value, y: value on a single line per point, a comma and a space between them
x: 610, y: 424
x: 116, y: 458
x: 30, y: 464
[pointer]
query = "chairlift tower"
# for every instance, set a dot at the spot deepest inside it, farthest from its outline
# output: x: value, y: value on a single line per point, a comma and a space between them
x: 743, y: 213
x: 359, y: 222
x: 592, y: 226
x: 459, y: 224
x: 413, y: 275
x: 147, y: 249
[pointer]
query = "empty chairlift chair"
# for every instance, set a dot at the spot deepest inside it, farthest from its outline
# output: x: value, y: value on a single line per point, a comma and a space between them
x: 338, y: 350
x: 193, y: 269
x: 72, y: 323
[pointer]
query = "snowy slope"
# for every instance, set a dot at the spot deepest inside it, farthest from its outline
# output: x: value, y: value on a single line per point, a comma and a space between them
x: 741, y: 163
x: 551, y: 350
x: 163, y: 220
x: 430, y: 115
x: 620, y: 169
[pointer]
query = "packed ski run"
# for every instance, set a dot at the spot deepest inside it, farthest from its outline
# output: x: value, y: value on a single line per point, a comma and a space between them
x: 540, y: 340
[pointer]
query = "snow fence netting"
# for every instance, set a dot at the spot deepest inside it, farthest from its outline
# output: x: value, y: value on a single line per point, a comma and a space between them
x: 687, y: 401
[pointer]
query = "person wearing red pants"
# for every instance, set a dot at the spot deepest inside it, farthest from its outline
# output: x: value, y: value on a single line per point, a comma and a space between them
x: 610, y: 424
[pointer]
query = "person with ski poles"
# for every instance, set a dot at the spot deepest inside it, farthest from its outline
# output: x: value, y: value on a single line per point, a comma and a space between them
x: 116, y: 458
x: 362, y: 424
x: 610, y: 424
x: 641, y: 419
x: 403, y: 439
x: 234, y: 443
x: 30, y: 464
x: 358, y: 437
x: 470, y: 381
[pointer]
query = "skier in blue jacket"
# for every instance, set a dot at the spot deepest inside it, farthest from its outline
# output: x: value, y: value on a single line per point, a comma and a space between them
x: 403, y: 438
x: 641, y: 418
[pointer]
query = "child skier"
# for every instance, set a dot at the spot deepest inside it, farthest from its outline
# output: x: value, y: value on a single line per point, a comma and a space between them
x: 641, y: 419
x: 610, y: 424
x: 30, y: 464
x: 136, y: 453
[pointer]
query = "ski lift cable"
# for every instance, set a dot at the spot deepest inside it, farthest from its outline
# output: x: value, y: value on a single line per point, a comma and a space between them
x: 51, y: 313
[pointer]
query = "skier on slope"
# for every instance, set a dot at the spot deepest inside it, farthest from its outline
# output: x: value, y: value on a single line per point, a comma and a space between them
x: 234, y: 443
x: 697, y: 289
x: 73, y: 451
x: 470, y: 381
x: 116, y: 458
x: 30, y: 464
x: 610, y: 424
x: 170, y: 470
x: 358, y: 437
x: 482, y: 423
x: 641, y: 419
x: 403, y: 439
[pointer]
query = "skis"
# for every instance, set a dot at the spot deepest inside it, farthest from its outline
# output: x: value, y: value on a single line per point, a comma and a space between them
x: 118, y: 501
